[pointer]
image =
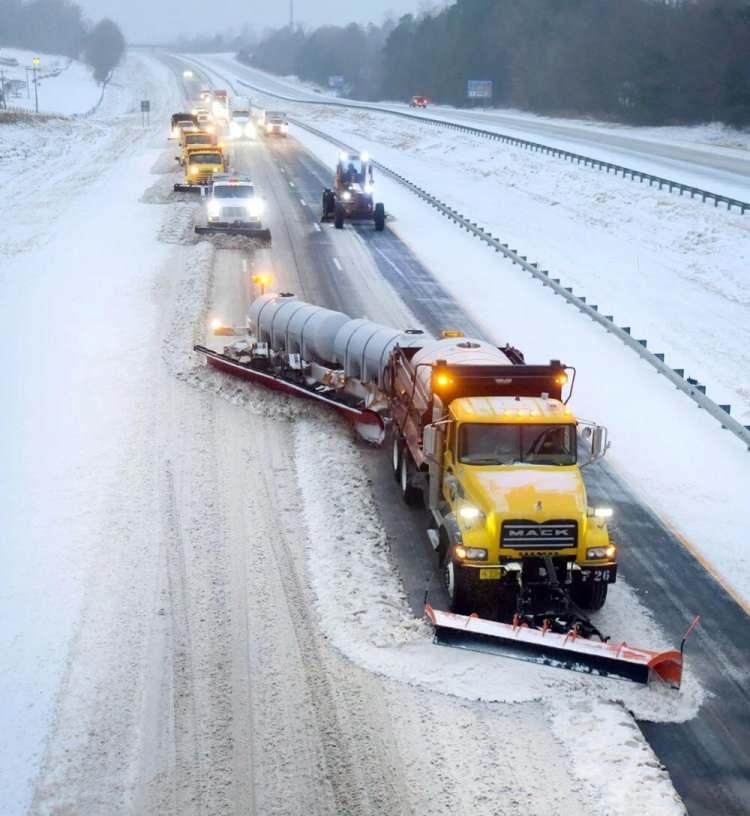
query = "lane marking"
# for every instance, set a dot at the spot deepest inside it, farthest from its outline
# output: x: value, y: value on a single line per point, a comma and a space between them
x: 337, y: 264
x: 291, y: 184
x: 316, y: 225
x: 303, y: 202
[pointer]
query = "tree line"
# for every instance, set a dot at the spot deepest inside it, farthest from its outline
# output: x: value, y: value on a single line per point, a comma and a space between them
x: 59, y: 27
x: 640, y: 61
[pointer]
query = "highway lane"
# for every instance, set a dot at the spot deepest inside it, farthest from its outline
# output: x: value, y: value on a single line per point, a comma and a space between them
x: 725, y: 164
x: 708, y: 757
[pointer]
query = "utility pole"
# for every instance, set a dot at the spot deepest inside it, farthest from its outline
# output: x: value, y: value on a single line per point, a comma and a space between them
x: 36, y: 62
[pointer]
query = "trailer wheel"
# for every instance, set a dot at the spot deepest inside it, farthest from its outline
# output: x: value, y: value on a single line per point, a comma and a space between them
x: 410, y: 494
x: 591, y: 595
x: 379, y: 217
x: 339, y: 216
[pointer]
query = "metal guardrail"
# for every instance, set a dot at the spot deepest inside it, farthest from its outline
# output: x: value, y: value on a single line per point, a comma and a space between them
x: 536, y: 147
x: 690, y: 386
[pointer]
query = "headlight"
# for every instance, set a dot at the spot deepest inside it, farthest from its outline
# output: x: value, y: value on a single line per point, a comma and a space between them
x: 214, y: 208
x: 235, y: 130
x: 471, y: 553
x: 603, y: 512
x: 250, y: 130
x: 369, y: 188
x: 346, y: 196
x: 255, y: 207
x: 194, y: 170
x: 597, y: 553
x: 470, y: 513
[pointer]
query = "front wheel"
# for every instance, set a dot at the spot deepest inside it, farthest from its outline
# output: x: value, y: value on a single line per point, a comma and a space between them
x: 379, y: 217
x: 339, y: 216
x: 590, y: 595
x: 456, y: 587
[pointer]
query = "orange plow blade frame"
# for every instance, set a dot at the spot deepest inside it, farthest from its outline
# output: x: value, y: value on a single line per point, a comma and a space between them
x: 568, y: 651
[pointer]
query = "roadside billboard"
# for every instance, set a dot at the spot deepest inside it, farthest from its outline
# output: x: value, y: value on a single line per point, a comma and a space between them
x: 479, y: 89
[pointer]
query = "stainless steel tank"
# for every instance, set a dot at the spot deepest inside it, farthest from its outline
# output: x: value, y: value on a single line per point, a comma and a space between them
x: 361, y: 348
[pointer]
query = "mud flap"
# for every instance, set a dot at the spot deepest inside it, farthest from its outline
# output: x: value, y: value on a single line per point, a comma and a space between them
x: 547, y: 648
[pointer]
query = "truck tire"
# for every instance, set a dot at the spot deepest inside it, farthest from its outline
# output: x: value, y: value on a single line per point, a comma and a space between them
x: 396, y: 456
x: 379, y: 217
x: 591, y: 595
x: 409, y: 493
x: 327, y: 203
x: 455, y: 586
x: 339, y: 216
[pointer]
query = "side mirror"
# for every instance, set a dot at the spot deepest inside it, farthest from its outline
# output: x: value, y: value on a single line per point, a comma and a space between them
x: 431, y: 441
x: 598, y: 442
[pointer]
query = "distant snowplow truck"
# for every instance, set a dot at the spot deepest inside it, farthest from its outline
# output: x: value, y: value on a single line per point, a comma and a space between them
x: 489, y: 445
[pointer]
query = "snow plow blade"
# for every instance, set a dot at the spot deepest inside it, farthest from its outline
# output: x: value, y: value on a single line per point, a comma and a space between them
x: 263, y: 235
x: 368, y: 424
x: 551, y: 649
x: 188, y: 188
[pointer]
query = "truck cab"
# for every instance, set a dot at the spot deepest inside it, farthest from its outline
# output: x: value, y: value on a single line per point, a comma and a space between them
x: 233, y: 200
x: 202, y: 163
x: 241, y: 125
x: 511, y: 491
x: 192, y: 140
x: 276, y: 123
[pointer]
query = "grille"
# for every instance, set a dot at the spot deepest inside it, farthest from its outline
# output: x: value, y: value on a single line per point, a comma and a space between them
x: 530, y: 535
x: 234, y: 212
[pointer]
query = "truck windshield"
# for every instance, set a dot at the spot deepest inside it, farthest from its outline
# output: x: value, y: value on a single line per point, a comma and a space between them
x: 198, y: 139
x: 205, y: 158
x: 240, y: 114
x: 234, y: 191
x: 485, y: 444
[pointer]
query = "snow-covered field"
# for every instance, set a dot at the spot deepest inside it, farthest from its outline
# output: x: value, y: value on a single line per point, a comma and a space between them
x: 64, y: 86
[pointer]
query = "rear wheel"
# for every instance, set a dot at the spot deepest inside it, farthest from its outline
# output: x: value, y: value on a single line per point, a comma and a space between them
x: 380, y: 217
x: 591, y: 595
x: 327, y: 203
x: 339, y: 216
x: 396, y: 457
x: 411, y: 495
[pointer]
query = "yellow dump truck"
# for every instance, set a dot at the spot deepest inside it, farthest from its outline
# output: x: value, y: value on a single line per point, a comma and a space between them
x: 487, y: 442
x: 192, y: 140
x: 201, y: 164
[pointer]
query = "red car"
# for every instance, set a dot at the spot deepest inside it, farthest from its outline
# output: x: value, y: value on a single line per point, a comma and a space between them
x: 419, y: 102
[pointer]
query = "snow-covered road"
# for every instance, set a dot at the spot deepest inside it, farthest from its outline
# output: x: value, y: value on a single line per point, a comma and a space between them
x: 167, y: 637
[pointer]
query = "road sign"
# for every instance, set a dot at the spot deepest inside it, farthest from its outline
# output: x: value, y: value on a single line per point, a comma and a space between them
x: 335, y: 82
x: 479, y: 89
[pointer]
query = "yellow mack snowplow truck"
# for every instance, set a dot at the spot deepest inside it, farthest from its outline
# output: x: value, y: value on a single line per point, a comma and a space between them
x: 201, y: 164
x: 489, y: 445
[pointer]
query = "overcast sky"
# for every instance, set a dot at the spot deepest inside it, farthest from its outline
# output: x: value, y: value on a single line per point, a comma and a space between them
x: 158, y: 20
